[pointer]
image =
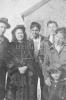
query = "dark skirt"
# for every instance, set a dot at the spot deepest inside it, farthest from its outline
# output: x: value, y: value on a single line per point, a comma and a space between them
x: 16, y: 87
x: 22, y: 92
x: 22, y: 86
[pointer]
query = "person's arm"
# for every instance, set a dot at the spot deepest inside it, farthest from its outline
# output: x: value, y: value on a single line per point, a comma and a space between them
x: 41, y: 52
x: 6, y: 53
x: 46, y: 64
x: 10, y: 61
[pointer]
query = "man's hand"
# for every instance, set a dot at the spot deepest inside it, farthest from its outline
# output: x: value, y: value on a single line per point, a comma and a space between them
x: 22, y: 69
x: 47, y: 81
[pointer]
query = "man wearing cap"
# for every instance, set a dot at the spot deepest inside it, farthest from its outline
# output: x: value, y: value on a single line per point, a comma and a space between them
x: 3, y: 55
x: 35, y: 28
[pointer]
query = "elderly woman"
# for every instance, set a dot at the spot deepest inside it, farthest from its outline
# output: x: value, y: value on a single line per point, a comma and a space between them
x: 21, y: 65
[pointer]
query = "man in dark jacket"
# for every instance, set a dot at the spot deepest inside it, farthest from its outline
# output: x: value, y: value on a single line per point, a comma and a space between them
x: 3, y: 55
x: 37, y: 39
x: 45, y: 47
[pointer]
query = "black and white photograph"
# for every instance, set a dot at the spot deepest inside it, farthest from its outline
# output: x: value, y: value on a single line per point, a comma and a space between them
x: 32, y: 49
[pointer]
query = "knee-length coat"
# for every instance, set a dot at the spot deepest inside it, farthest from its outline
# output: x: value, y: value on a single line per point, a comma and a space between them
x: 20, y: 54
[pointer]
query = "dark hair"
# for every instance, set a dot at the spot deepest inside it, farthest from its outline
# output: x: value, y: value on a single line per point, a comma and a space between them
x: 62, y: 30
x: 16, y: 28
x: 52, y: 22
x: 33, y: 24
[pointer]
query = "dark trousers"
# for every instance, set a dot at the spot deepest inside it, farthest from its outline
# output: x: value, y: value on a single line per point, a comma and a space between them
x: 10, y: 93
x: 42, y: 85
x: 17, y: 88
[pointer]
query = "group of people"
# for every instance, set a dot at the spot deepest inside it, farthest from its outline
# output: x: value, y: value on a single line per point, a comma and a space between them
x: 24, y: 60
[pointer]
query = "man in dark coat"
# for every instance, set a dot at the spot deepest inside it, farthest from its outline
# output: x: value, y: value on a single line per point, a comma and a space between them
x: 45, y: 47
x: 37, y: 39
x: 3, y: 55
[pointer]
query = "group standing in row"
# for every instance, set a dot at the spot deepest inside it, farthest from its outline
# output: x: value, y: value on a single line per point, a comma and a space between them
x: 24, y: 60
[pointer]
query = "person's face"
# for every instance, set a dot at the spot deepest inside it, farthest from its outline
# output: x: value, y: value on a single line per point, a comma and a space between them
x: 35, y: 31
x: 59, y: 39
x: 19, y: 34
x: 51, y: 28
x: 2, y: 28
x: 56, y: 75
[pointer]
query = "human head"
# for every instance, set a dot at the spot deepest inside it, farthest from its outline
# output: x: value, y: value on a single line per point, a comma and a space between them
x: 60, y: 36
x: 19, y: 33
x: 35, y: 29
x: 56, y: 75
x: 3, y: 25
x: 51, y: 27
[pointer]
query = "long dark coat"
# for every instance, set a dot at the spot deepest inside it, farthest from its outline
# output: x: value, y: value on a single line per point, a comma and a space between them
x: 21, y: 54
x: 3, y: 65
